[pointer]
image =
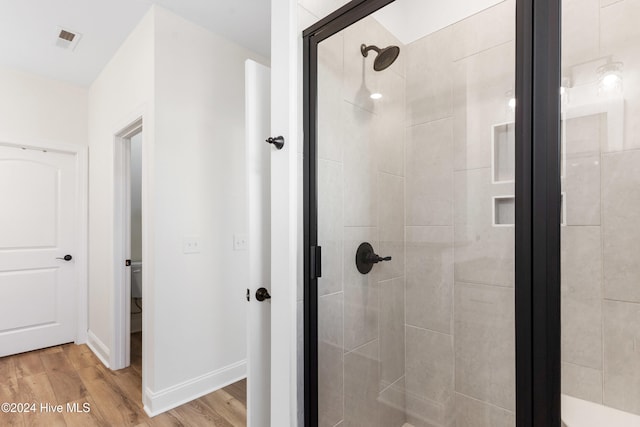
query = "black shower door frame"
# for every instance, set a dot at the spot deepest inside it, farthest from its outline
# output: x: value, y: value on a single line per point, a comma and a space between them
x: 537, y: 206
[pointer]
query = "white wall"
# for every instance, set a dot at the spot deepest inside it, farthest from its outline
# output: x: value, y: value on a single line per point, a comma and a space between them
x: 199, y: 324
x: 118, y: 96
x: 190, y: 84
x: 34, y: 108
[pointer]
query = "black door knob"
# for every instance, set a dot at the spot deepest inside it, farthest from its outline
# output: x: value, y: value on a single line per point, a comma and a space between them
x: 262, y: 294
x: 66, y: 258
x: 278, y: 141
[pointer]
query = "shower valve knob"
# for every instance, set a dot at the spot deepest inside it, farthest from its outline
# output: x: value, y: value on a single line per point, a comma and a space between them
x: 278, y: 141
x: 366, y: 257
x: 375, y: 258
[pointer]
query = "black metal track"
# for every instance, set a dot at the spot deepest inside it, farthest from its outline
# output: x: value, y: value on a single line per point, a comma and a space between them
x: 538, y: 203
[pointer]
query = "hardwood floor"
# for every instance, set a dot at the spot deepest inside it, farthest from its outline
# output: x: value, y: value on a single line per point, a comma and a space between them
x: 72, y: 374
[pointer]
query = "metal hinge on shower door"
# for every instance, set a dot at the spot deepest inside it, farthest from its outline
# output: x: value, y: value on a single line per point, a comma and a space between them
x: 316, y: 262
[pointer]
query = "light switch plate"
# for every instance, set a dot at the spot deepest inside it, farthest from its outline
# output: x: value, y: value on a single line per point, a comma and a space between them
x: 239, y: 242
x: 190, y: 245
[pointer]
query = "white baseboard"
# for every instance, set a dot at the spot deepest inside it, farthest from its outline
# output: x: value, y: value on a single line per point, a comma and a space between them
x: 98, y: 347
x: 156, y: 403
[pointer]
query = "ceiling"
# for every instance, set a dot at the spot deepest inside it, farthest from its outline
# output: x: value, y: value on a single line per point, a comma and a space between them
x: 29, y: 28
x: 410, y: 20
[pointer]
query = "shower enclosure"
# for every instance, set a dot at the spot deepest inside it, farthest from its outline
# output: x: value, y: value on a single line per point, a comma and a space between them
x: 469, y: 204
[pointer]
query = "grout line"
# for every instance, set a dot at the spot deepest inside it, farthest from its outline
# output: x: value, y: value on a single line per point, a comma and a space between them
x: 361, y: 346
x: 429, y: 330
x: 409, y: 126
x: 490, y: 285
x: 581, y: 365
x: 462, y: 58
x: 620, y: 301
x: 392, y: 384
x: 485, y: 402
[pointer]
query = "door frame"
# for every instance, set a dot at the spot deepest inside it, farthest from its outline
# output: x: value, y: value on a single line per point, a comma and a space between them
x: 121, y: 355
x: 537, y: 211
x: 81, y: 219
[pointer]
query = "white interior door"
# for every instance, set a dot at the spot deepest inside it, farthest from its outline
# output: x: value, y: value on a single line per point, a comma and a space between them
x: 259, y: 208
x: 37, y: 285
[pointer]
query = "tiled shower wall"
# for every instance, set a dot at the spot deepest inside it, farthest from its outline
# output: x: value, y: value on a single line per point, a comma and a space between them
x: 459, y: 267
x: 361, y: 199
x: 601, y: 272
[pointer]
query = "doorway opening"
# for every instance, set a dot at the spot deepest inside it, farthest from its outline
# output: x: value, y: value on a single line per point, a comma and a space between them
x: 128, y: 268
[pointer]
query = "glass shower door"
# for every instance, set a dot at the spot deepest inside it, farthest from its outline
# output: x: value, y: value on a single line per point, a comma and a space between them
x: 601, y: 191
x: 415, y: 187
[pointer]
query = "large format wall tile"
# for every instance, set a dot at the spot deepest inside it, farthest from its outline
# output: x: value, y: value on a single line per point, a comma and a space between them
x: 621, y: 234
x: 428, y: 77
x: 582, y: 296
x: 582, y: 190
x: 430, y: 277
x: 330, y: 359
x: 429, y: 174
x: 361, y: 387
x: 330, y: 229
x: 474, y: 413
x: 585, y: 135
x: 390, y: 124
x: 582, y: 382
x: 618, y: 26
x: 330, y: 128
x: 390, y: 193
x: 619, y: 39
x: 422, y: 412
x: 483, y: 253
x: 484, y: 335
x: 429, y: 365
x: 621, y: 362
x: 360, y: 174
x: 484, y: 30
x: 580, y: 38
x: 482, y: 87
x: 360, y: 291
x: 392, y: 405
x: 391, y: 331
x: 429, y: 378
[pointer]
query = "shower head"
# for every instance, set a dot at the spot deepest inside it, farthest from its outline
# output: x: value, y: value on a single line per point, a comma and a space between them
x: 385, y: 58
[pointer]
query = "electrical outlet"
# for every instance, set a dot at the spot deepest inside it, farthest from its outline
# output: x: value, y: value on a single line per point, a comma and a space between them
x: 239, y: 242
x: 190, y: 245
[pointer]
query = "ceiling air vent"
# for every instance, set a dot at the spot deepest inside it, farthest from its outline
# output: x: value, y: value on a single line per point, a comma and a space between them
x: 67, y: 39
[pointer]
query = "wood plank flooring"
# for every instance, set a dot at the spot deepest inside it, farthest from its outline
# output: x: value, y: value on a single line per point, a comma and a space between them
x: 72, y: 374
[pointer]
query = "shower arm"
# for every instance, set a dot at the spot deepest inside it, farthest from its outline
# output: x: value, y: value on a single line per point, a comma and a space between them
x: 364, y: 49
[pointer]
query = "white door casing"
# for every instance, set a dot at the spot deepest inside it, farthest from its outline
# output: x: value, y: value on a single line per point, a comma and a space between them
x: 285, y: 121
x: 38, y: 224
x: 257, y: 105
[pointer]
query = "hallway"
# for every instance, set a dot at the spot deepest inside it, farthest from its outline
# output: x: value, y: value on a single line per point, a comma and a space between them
x: 72, y: 374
